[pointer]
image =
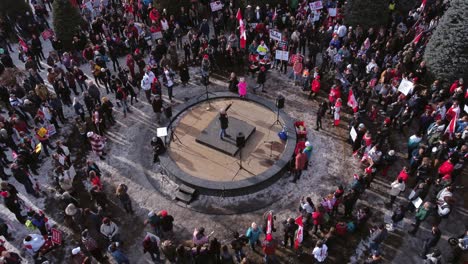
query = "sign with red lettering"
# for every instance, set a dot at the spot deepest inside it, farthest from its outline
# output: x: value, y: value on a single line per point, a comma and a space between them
x: 56, y: 236
x: 316, y: 5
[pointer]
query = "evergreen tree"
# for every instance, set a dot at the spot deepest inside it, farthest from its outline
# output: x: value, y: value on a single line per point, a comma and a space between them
x: 12, y: 8
x: 367, y: 13
x: 446, y: 53
x: 67, y: 20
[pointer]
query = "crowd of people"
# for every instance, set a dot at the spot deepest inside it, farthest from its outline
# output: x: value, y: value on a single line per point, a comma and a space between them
x: 366, y: 67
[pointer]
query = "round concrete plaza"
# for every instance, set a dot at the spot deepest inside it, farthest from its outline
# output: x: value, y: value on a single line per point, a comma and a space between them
x: 197, y: 157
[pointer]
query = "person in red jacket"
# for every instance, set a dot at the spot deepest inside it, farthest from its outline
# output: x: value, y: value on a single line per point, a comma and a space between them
x: 455, y: 85
x: 315, y: 87
x: 404, y: 175
x: 300, y: 162
x: 269, y: 249
x: 317, y: 219
x: 446, y: 168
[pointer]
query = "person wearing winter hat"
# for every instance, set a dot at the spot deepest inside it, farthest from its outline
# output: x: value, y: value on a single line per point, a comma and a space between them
x: 77, y: 256
x: 76, y: 214
x: 97, y: 144
x: 110, y: 230
x: 92, y: 246
x: 151, y: 245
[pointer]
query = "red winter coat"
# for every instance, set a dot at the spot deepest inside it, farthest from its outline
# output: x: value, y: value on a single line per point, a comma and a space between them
x: 317, y: 217
x: 315, y: 86
x: 446, y: 168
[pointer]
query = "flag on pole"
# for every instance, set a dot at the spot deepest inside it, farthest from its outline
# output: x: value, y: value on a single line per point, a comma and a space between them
x: 269, y: 226
x: 299, y: 232
x: 274, y: 15
x: 417, y: 38
x: 23, y: 45
x: 352, y: 101
x: 243, y: 36
x: 423, y: 4
x: 452, y: 125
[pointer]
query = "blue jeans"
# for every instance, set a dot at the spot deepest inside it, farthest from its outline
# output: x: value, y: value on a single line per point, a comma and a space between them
x: 222, y: 133
x: 239, y: 255
x: 269, y: 259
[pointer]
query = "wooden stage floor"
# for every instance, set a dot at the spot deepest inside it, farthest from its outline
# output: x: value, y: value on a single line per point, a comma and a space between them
x: 209, y: 164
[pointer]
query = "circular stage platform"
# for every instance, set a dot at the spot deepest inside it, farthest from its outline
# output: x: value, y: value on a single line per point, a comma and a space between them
x: 198, y: 158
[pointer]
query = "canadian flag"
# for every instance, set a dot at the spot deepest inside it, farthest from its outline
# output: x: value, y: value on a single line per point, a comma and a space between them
x: 423, y: 4
x: 299, y: 232
x: 243, y: 36
x: 417, y: 38
x: 352, y: 101
x: 23, y: 44
x: 269, y: 226
x: 452, y: 125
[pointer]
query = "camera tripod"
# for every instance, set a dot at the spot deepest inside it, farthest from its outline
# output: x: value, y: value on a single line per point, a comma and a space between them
x: 240, y: 164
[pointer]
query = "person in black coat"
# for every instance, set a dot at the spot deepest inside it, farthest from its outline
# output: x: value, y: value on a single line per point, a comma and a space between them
x: 261, y: 78
x: 431, y: 241
x: 224, y: 122
x: 320, y: 113
x: 290, y: 228
x: 11, y: 201
x: 184, y: 73
x: 158, y: 148
x: 233, y: 82
x: 157, y: 104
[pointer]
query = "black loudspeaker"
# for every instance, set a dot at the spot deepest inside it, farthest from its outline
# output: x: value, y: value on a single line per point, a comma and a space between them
x: 168, y: 111
x: 240, y: 140
x: 280, y: 102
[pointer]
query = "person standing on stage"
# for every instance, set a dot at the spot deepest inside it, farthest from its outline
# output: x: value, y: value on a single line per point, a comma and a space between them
x: 224, y: 122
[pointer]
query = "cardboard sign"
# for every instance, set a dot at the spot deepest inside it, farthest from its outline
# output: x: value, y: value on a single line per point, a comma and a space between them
x: 216, y: 6
x: 332, y: 12
x: 56, y: 236
x: 275, y: 35
x: 51, y: 130
x: 316, y: 5
x: 405, y: 87
x: 316, y: 16
x: 157, y: 35
x: 282, y: 55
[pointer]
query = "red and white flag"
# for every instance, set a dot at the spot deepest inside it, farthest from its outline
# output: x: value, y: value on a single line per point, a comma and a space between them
x: 352, y: 101
x: 452, y: 125
x: 274, y: 15
x: 423, y: 4
x: 299, y: 232
x: 243, y: 36
x: 269, y: 226
x: 417, y: 38
x: 23, y: 45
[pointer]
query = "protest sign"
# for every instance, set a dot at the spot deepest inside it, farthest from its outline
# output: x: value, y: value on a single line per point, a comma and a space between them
x: 216, y: 6
x: 282, y: 55
x: 405, y: 87
x: 316, y: 5
x: 275, y: 35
